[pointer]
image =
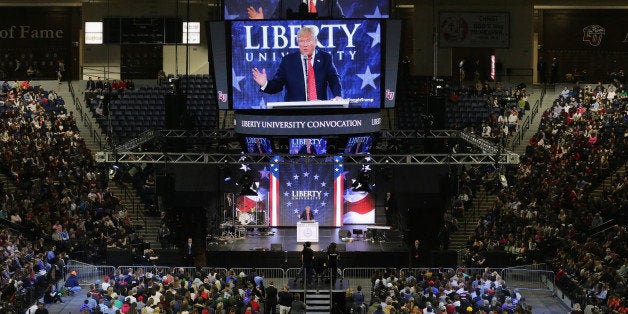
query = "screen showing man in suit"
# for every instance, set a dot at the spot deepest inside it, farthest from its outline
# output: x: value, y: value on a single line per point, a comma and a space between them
x: 308, y: 146
x: 258, y: 145
x: 317, y: 72
x: 269, y: 62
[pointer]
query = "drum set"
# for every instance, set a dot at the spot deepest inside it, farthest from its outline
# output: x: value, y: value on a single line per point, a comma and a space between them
x: 237, y: 220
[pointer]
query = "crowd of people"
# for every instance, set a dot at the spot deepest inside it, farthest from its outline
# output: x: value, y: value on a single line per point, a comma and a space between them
x: 546, y: 212
x: 61, y: 205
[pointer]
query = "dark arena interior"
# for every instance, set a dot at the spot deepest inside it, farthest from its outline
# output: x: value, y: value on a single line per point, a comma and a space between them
x: 293, y: 156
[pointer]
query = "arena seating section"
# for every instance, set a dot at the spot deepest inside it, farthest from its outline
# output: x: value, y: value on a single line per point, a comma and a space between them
x: 135, y: 111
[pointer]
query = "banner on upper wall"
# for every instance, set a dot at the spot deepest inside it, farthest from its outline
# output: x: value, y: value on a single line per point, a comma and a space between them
x: 474, y: 29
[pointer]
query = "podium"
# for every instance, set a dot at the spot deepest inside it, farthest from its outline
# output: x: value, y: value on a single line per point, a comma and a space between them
x: 307, y: 230
x: 308, y: 104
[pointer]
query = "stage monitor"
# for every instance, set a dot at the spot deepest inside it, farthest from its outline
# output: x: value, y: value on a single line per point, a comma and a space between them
x: 358, y: 145
x: 352, y: 47
x: 258, y: 145
x: 282, y: 9
x: 308, y: 146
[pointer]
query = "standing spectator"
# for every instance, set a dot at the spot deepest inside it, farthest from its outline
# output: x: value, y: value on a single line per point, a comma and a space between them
x: 415, y: 254
x: 554, y: 71
x: 271, y: 299
x: 541, y: 69
x: 297, y: 306
x: 41, y: 309
x: 285, y: 300
x: 332, y: 261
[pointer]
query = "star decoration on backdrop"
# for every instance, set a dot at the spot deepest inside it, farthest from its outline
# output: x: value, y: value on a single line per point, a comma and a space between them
x: 296, y: 177
x: 264, y: 173
x: 376, y: 35
x: 316, y: 177
x: 315, y: 211
x: 323, y: 184
x: 288, y: 184
x: 286, y: 194
x: 323, y: 204
x: 326, y: 194
x: 235, y: 80
x: 306, y: 174
x: 289, y: 204
x: 376, y: 15
x: 366, y: 168
x: 296, y: 211
x: 230, y: 16
x: 244, y: 168
x: 368, y: 78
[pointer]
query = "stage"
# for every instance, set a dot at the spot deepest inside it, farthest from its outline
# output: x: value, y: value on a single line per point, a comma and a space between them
x: 278, y: 247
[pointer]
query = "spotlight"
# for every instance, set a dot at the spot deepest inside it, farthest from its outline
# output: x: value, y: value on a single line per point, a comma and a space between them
x: 247, y: 185
x: 362, y: 183
x: 226, y: 173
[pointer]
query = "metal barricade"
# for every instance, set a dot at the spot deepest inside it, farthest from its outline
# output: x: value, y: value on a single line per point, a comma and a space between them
x: 362, y: 277
x: 87, y: 273
x: 276, y: 275
x: 523, y: 279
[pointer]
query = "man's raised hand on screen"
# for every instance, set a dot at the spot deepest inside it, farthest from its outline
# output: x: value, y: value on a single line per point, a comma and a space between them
x: 255, y: 15
x: 260, y: 77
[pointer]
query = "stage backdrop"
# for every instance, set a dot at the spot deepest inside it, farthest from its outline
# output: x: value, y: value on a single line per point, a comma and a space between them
x: 355, y: 46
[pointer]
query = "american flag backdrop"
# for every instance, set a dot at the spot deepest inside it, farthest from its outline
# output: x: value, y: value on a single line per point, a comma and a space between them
x: 295, y: 186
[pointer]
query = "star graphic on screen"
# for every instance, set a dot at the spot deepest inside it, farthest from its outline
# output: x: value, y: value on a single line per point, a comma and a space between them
x: 289, y: 204
x: 376, y: 15
x: 264, y: 173
x: 323, y: 204
x: 288, y: 184
x: 366, y: 168
x: 306, y: 174
x: 230, y: 16
x: 296, y: 177
x: 286, y: 194
x: 315, y: 211
x: 245, y: 168
x: 326, y: 194
x: 336, y: 169
x: 262, y: 104
x: 376, y: 36
x: 315, y: 177
x: 368, y: 78
x: 323, y: 184
x: 235, y: 80
x: 296, y: 211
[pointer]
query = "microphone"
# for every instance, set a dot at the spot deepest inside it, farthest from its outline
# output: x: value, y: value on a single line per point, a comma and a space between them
x: 304, y: 57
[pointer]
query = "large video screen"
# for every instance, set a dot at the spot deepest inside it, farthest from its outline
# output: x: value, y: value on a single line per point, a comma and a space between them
x: 276, y: 9
x: 358, y: 145
x: 258, y: 145
x: 308, y: 146
x: 354, y: 47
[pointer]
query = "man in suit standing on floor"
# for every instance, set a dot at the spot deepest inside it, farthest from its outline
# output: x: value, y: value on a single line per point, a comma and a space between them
x: 305, y: 74
x: 271, y: 299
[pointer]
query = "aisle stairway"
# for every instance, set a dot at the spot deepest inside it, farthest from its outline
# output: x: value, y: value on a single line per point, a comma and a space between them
x: 484, y: 200
x: 318, y: 301
x: 146, y: 226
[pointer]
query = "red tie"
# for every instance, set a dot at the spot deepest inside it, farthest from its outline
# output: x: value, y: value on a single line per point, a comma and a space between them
x: 311, y: 80
x: 308, y: 216
x: 312, y: 7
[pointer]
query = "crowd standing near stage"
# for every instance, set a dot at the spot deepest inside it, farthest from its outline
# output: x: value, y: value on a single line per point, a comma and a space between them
x: 61, y: 205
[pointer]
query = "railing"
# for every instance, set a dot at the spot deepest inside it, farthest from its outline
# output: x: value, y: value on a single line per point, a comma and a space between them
x: 518, y: 137
x: 85, y: 118
x: 525, y: 279
x: 105, y: 71
x: 88, y: 273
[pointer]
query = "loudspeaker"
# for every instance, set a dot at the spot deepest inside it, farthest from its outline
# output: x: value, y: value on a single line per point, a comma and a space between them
x: 164, y: 185
x: 175, y: 108
x: 341, y: 247
x: 342, y: 233
x: 276, y: 247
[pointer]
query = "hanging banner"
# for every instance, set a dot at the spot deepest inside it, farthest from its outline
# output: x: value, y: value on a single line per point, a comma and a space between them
x: 474, y: 29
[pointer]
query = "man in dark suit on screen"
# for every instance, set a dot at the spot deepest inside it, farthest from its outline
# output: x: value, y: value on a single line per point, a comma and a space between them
x: 307, y: 148
x: 305, y: 74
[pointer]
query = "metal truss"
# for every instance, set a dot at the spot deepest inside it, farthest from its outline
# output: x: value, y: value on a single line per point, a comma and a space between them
x: 479, y: 142
x: 405, y: 159
x: 230, y: 134
x: 420, y: 134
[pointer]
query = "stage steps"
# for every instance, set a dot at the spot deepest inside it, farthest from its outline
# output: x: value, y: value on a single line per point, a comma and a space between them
x: 318, y: 301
